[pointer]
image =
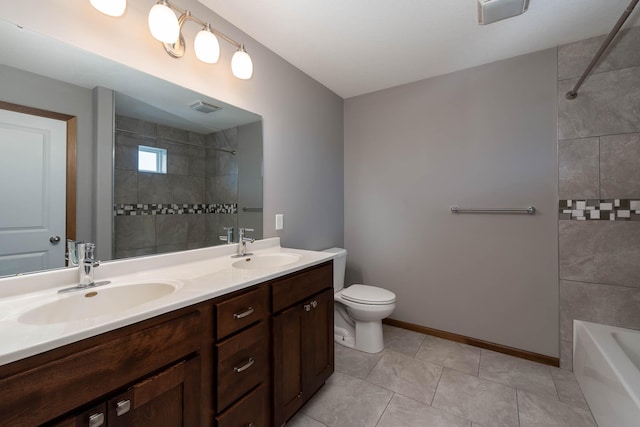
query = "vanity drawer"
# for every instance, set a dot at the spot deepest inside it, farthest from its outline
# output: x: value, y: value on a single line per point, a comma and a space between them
x: 298, y: 287
x: 243, y: 362
x: 243, y: 310
x: 253, y: 410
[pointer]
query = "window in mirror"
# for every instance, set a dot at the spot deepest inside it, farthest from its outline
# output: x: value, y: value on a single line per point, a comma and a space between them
x: 152, y: 159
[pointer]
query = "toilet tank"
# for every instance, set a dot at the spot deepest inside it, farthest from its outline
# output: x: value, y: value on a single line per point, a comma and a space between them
x: 339, y: 267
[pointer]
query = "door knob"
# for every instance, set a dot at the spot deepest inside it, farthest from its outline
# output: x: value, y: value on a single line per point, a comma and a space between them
x: 54, y: 239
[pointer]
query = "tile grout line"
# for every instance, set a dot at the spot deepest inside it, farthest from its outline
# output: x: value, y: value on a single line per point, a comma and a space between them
x: 517, y: 407
x: 373, y: 369
x: 385, y: 409
x: 436, y: 389
x: 555, y: 385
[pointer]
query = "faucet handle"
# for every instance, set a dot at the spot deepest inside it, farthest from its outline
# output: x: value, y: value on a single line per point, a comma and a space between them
x: 89, y: 249
x: 247, y: 229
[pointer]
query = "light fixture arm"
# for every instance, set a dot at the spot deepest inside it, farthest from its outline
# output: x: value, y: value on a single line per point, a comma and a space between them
x: 177, y: 49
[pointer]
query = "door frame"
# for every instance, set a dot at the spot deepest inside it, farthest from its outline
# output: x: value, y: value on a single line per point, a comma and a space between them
x: 72, y: 136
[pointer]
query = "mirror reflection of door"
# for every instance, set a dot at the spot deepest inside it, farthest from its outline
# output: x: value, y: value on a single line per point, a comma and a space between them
x: 32, y: 197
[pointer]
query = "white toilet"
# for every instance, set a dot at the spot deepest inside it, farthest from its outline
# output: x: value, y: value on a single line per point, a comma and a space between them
x: 359, y: 309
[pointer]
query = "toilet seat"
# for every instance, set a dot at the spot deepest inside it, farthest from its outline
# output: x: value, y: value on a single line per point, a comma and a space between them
x: 371, y: 295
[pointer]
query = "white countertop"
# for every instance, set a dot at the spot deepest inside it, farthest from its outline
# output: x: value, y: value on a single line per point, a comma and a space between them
x: 199, y: 275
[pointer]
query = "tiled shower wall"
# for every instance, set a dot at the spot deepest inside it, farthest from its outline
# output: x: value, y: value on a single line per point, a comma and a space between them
x: 199, y: 193
x: 599, y: 164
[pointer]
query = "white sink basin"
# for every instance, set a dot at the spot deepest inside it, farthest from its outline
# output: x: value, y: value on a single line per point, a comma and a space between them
x: 88, y: 303
x: 255, y: 262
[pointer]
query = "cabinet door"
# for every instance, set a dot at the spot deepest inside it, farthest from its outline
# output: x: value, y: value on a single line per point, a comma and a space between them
x: 318, y: 350
x: 288, y: 340
x: 168, y: 399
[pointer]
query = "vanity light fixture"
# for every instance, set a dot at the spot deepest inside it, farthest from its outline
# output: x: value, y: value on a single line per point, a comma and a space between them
x: 241, y: 64
x: 163, y: 23
x: 166, y: 27
x: 110, y: 7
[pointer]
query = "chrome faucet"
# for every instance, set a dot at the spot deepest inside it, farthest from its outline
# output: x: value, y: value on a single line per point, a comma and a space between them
x: 86, y: 264
x: 242, y: 242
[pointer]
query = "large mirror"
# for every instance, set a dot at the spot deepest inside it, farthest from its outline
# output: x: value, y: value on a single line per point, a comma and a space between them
x: 91, y: 150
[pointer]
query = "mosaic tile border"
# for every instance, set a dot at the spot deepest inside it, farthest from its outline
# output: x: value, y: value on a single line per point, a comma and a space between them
x: 600, y: 210
x: 133, y: 209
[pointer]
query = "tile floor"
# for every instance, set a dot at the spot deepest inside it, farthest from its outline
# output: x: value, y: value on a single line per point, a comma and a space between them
x: 420, y: 380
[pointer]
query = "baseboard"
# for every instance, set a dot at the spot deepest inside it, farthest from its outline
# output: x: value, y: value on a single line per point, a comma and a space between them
x: 523, y: 354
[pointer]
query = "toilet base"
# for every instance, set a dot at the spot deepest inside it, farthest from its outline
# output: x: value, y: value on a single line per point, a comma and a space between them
x: 369, y: 336
x: 344, y: 337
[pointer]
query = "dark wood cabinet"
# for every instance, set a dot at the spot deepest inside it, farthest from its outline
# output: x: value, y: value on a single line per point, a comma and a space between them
x: 320, y: 346
x: 303, y: 349
x: 251, y: 410
x: 166, y: 399
x: 249, y: 358
x: 38, y: 389
x: 242, y: 359
x: 288, y: 354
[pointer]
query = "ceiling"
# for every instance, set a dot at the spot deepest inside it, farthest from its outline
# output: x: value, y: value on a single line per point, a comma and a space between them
x: 355, y: 47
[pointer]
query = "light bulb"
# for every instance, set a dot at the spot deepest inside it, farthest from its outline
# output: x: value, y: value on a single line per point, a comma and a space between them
x: 241, y: 64
x: 110, y: 7
x: 206, y: 46
x: 163, y: 23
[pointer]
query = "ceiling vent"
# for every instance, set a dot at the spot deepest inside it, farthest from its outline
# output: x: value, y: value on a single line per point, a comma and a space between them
x: 490, y: 11
x: 204, y: 107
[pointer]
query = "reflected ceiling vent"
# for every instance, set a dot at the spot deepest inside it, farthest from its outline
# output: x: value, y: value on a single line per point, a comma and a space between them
x: 204, y: 107
x: 490, y: 11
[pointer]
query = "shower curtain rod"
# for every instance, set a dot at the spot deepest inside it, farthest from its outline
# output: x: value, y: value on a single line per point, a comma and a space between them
x: 573, y: 93
x: 155, y: 138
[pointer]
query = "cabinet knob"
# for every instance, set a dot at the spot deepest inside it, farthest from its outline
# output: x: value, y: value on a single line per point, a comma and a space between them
x: 251, y: 425
x: 314, y: 304
x: 307, y: 307
x: 123, y: 407
x: 96, y: 420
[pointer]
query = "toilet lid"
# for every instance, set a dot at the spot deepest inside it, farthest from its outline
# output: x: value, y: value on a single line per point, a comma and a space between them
x: 368, y: 295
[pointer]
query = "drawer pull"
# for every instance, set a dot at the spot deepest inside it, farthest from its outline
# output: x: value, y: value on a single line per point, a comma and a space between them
x: 244, y: 314
x: 244, y: 367
x: 123, y: 407
x: 96, y: 420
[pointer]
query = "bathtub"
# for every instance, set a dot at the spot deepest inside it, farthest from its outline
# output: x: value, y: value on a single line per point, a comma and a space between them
x: 606, y: 362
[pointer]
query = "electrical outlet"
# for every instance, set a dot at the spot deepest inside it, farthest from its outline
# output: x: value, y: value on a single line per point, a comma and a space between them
x: 279, y: 221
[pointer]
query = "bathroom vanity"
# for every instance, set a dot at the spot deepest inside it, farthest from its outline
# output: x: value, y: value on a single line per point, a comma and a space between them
x: 249, y: 348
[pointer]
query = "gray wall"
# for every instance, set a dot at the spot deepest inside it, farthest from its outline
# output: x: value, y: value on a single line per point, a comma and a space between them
x: 599, y: 168
x: 250, y: 177
x: 60, y: 97
x: 482, y: 137
x: 303, y: 120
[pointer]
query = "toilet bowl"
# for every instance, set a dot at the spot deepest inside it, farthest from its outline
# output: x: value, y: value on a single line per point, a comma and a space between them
x: 358, y: 309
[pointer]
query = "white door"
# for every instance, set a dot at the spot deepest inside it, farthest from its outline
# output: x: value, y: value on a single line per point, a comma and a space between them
x: 32, y: 192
